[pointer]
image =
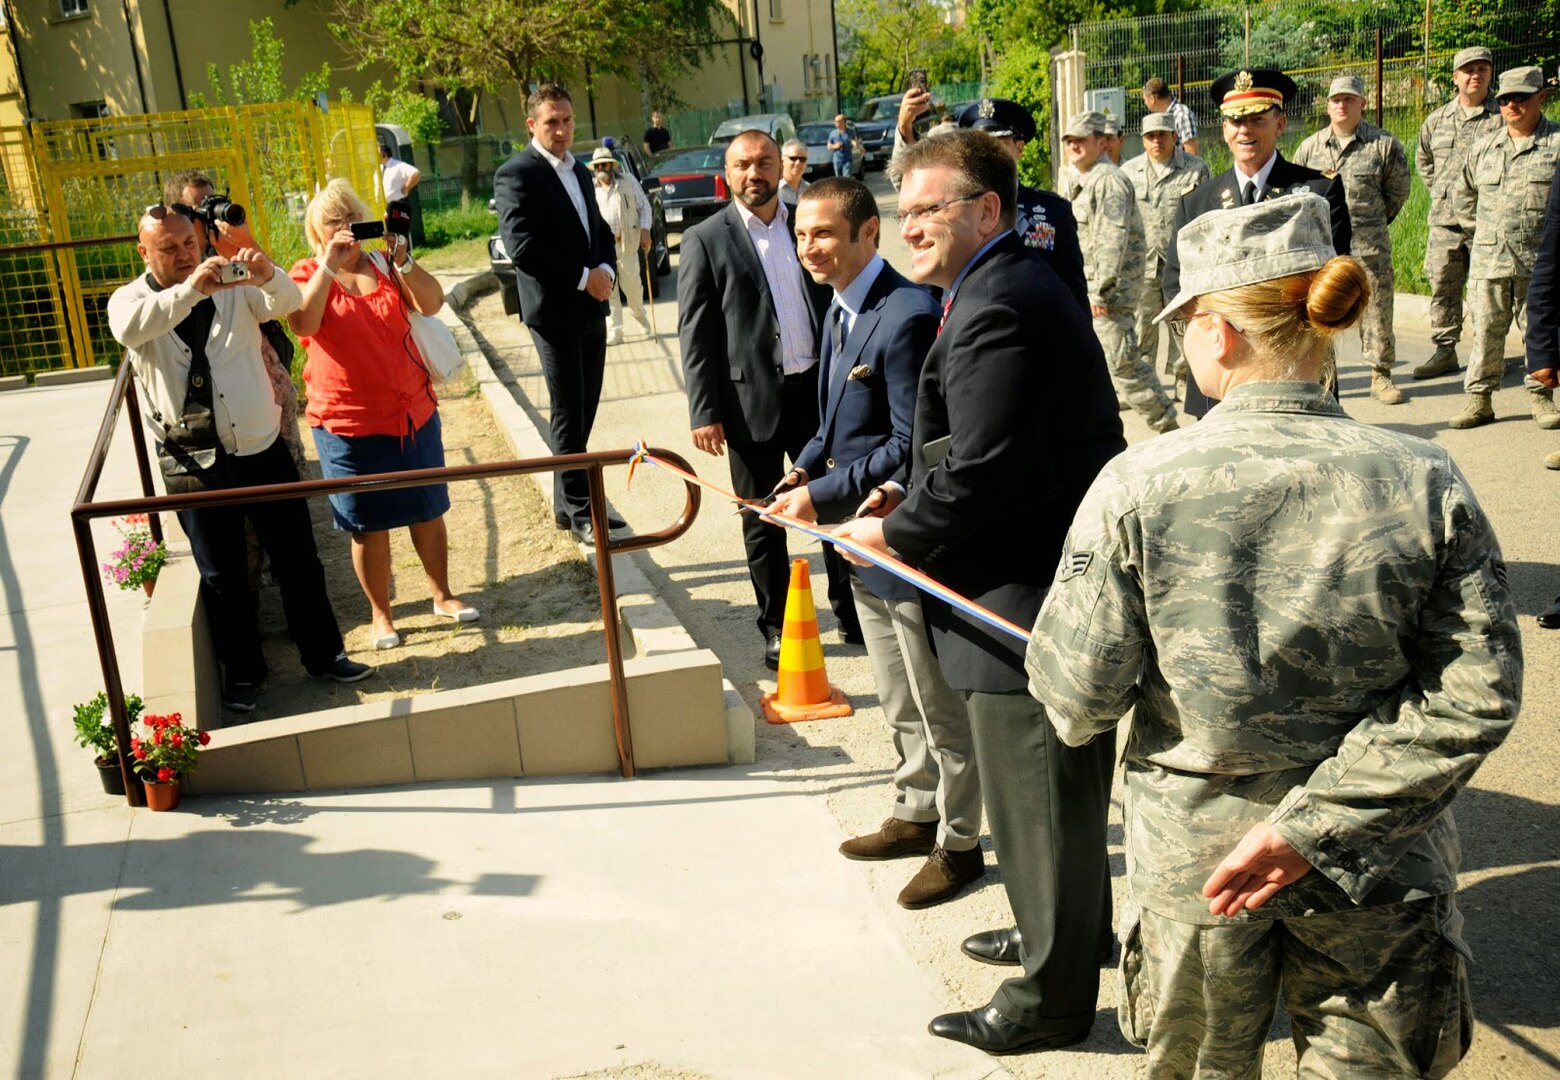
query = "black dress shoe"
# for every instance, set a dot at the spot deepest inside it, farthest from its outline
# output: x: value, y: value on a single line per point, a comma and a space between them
x: 988, y: 1030
x: 584, y: 533
x: 1550, y: 620
x: 613, y: 521
x: 994, y: 947
x: 851, y: 635
x: 772, y: 650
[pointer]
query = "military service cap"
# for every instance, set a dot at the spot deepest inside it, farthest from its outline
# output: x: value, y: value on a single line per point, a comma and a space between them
x: 1519, y: 80
x: 1472, y: 55
x: 999, y: 117
x: 1111, y: 127
x: 1242, y: 93
x: 1158, y: 121
x: 1084, y: 124
x: 1248, y: 244
x: 1347, y: 84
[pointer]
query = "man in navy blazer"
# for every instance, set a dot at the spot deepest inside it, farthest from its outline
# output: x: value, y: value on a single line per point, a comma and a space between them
x: 565, y: 267
x: 876, y: 334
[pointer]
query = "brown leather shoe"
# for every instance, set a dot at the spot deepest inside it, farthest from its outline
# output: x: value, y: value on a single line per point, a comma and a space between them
x: 894, y: 839
x: 942, y: 876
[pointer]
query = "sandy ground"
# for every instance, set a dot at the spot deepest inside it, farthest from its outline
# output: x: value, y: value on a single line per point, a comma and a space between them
x: 1508, y: 815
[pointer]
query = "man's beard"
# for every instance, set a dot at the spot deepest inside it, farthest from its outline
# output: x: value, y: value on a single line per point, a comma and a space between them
x: 754, y: 201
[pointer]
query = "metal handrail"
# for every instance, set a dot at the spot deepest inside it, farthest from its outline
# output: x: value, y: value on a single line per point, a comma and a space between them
x: 85, y: 511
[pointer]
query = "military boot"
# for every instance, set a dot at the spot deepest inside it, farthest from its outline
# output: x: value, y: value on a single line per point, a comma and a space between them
x: 1477, y: 411
x: 1444, y: 359
x: 1545, y: 415
x: 1382, y: 390
x: 1164, y: 422
x: 1552, y: 461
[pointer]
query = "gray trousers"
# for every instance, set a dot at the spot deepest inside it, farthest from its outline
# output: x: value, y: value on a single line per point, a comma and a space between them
x: 1493, y: 304
x: 1046, y: 804
x: 1446, y: 267
x: 1133, y: 376
x: 937, y: 779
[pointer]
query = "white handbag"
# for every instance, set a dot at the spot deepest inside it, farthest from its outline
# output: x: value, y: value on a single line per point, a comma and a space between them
x: 435, y: 344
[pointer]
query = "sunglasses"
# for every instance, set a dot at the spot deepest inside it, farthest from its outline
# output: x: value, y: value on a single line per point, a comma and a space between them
x: 1514, y: 99
x: 157, y: 211
x: 802, y: 160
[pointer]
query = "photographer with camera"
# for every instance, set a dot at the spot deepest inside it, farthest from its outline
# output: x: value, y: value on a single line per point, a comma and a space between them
x: 191, y: 330
x: 222, y: 228
x: 371, y: 405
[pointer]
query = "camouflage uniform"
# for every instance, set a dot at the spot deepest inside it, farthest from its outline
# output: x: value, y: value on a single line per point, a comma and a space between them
x: 1214, y: 582
x: 1376, y: 183
x: 1110, y: 231
x: 1444, y: 141
x: 1159, y: 189
x: 1506, y: 181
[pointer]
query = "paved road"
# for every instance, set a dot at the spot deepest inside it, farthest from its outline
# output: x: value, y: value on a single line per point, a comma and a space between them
x: 1509, y: 818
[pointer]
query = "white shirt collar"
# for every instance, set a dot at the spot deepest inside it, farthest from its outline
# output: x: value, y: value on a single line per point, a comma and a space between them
x: 1261, y: 178
x: 565, y: 162
x: 855, y: 294
x: 751, y: 219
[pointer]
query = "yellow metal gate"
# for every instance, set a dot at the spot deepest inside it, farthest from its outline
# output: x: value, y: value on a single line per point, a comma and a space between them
x: 71, y: 192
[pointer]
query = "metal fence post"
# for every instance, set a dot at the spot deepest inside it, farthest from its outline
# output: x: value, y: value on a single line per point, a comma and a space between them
x: 1379, y: 80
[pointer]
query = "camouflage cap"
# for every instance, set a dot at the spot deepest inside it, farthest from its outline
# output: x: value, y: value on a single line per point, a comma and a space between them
x: 1111, y: 127
x: 1084, y: 124
x: 1472, y: 55
x: 1520, y: 80
x: 1158, y: 121
x: 1247, y: 244
x: 1347, y: 84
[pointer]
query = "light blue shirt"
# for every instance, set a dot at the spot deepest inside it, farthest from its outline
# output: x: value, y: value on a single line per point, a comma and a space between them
x: 851, y: 300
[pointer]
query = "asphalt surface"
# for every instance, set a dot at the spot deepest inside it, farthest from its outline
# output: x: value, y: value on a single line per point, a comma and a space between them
x: 1508, y: 815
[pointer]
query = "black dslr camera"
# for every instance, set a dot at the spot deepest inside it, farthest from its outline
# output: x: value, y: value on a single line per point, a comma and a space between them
x: 214, y: 208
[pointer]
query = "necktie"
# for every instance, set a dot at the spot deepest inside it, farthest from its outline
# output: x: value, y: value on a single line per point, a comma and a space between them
x: 837, y: 333
x: 948, y: 303
x: 1249, y: 194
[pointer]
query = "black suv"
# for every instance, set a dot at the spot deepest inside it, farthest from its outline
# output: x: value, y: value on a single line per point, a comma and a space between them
x: 632, y: 162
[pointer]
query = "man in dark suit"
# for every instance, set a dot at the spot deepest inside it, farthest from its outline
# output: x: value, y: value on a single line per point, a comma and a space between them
x: 1543, y: 331
x: 1252, y: 105
x: 991, y: 492
x: 565, y: 267
x: 748, y: 320
x: 875, y: 337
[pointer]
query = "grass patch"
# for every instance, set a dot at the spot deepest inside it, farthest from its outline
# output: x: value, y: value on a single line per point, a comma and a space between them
x: 458, y: 255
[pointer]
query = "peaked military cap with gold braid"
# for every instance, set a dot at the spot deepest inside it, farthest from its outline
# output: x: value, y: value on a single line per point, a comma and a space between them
x: 1252, y: 90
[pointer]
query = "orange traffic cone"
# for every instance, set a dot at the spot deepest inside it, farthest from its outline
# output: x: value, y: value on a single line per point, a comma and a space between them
x: 804, y: 692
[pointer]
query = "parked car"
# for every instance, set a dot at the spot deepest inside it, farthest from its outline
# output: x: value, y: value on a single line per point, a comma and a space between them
x: 820, y: 161
x: 692, y: 182
x: 780, y: 127
x: 632, y: 162
x: 876, y: 120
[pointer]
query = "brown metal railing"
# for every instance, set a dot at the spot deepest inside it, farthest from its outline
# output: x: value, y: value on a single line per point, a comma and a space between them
x: 85, y: 511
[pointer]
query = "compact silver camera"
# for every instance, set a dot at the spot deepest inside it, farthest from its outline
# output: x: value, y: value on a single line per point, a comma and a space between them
x: 233, y: 271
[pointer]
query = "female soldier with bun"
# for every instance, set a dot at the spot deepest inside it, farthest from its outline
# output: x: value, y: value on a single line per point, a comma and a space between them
x: 1309, y: 617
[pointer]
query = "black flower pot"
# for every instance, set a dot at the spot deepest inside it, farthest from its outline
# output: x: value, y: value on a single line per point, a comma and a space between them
x: 113, y: 779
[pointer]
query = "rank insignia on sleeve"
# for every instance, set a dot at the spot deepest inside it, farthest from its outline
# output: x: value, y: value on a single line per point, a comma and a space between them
x: 1075, y: 564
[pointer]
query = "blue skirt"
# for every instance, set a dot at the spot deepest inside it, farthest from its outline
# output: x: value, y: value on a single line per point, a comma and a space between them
x: 364, y: 455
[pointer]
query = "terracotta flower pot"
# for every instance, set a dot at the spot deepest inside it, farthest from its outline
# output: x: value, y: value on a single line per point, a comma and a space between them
x: 108, y: 772
x: 161, y: 796
x: 149, y: 584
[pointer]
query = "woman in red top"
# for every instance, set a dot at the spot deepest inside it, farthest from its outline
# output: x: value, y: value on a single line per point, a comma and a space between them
x: 371, y: 405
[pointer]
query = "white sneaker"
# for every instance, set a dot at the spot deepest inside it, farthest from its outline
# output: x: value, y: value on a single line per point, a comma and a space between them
x: 614, y: 335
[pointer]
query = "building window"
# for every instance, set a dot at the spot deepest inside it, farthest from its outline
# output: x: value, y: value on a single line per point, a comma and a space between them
x: 70, y: 9
x: 775, y: 14
x: 89, y: 110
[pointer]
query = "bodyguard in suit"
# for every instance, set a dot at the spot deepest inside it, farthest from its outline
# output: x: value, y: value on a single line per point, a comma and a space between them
x: 565, y: 266
x: 991, y: 491
x: 748, y: 320
x: 1252, y: 105
x: 876, y: 334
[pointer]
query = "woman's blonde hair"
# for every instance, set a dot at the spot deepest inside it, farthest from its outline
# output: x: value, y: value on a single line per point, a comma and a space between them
x: 1289, y: 321
x: 336, y: 202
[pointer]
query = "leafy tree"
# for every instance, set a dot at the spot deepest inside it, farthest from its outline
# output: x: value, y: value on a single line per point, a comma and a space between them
x: 418, y: 113
x: 259, y: 79
x: 1023, y: 74
x: 880, y: 40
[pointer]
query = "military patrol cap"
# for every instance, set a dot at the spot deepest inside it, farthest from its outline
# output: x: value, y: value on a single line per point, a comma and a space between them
x: 1519, y: 80
x: 1347, y: 84
x: 999, y: 117
x: 1084, y: 124
x: 1253, y: 90
x: 1111, y: 127
x: 1158, y: 121
x: 1248, y: 244
x: 1472, y: 55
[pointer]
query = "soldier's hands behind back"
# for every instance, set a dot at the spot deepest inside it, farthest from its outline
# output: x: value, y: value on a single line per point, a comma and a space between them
x: 1261, y: 864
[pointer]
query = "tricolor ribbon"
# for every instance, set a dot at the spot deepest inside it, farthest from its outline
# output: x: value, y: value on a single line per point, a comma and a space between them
x: 903, y: 571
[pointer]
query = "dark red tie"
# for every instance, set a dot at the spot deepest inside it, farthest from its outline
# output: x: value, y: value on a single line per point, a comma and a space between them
x: 948, y: 303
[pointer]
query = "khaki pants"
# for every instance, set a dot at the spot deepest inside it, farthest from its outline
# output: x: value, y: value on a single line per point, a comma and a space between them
x: 1148, y: 331
x: 1376, y: 336
x: 629, y: 280
x: 1493, y: 304
x: 1446, y: 267
x: 1133, y: 376
x: 1377, y: 992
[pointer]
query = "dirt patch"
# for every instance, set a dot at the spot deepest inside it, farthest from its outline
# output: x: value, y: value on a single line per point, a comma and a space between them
x: 537, y: 596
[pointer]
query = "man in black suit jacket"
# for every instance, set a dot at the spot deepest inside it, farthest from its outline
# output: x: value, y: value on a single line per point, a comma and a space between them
x: 565, y: 267
x: 876, y: 335
x: 1252, y: 104
x: 1543, y: 331
x: 748, y: 320
x: 992, y: 490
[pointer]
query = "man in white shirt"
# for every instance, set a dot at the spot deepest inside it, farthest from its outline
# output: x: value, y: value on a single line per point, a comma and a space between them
x: 399, y: 177
x: 626, y: 211
x: 194, y: 343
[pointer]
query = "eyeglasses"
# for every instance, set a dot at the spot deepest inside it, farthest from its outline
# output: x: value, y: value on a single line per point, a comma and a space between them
x: 799, y: 160
x: 1514, y: 99
x: 1177, y: 324
x: 910, y: 217
x: 157, y: 211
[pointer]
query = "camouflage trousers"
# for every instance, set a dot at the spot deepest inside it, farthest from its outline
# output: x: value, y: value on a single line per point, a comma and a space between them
x: 1493, y: 304
x: 1377, y: 991
x: 1148, y: 331
x: 1378, y: 342
x: 1132, y: 375
x: 1446, y: 267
